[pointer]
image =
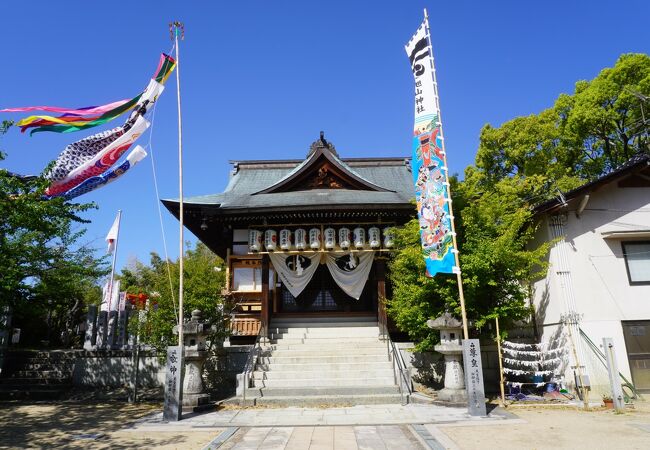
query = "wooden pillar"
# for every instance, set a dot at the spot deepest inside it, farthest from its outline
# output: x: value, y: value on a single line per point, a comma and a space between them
x: 265, y: 310
x: 380, y: 271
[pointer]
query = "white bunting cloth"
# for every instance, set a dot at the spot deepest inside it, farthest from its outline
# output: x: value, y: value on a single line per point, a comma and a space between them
x: 112, y: 303
x: 295, y: 271
x: 350, y: 271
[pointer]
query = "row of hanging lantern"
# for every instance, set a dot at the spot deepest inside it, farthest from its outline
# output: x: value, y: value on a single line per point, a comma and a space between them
x: 301, y: 239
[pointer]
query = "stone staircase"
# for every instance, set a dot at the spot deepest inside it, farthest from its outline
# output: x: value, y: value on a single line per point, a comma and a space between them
x: 316, y: 362
x: 36, y: 375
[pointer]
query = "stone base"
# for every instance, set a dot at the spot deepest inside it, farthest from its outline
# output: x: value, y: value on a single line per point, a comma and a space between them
x: 453, y: 395
x: 195, y: 399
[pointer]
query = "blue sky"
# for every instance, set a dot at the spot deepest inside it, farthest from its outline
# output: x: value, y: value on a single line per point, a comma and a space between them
x: 260, y: 79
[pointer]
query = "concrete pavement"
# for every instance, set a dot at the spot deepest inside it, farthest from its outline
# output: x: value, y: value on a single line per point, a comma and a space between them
x: 385, y: 427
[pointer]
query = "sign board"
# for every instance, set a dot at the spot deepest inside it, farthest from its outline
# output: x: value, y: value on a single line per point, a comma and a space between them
x: 474, y: 377
x: 173, y: 409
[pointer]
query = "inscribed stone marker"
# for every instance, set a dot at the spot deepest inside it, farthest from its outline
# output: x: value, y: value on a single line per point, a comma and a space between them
x: 172, y: 409
x: 474, y: 377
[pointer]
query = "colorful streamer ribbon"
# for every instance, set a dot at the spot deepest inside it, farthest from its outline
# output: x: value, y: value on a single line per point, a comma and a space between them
x: 102, y: 161
x: 87, y: 117
x: 92, y: 183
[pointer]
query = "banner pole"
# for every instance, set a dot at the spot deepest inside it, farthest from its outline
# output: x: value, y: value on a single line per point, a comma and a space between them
x: 177, y: 26
x: 457, y: 270
x: 503, y: 394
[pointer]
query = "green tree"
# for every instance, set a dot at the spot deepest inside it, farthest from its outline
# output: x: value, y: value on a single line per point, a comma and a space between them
x: 204, y: 280
x: 584, y: 135
x: 47, y: 273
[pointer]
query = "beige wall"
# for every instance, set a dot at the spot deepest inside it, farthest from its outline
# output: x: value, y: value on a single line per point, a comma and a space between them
x: 597, y: 278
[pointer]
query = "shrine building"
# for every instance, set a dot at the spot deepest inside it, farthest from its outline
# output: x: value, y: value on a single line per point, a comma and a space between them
x: 304, y: 238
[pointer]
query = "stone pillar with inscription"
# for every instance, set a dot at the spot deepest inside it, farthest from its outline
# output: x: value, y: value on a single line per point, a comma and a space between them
x: 91, y: 328
x: 450, y: 345
x: 172, y: 408
x: 102, y: 329
x: 111, y: 333
x: 474, y: 374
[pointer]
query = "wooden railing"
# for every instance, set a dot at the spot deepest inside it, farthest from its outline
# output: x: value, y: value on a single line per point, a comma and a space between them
x: 247, y: 326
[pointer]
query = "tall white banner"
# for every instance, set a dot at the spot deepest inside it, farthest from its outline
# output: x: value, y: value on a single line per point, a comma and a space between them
x: 428, y: 162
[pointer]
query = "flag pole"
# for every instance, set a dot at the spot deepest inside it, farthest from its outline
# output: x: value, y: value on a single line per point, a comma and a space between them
x: 179, y: 29
x: 457, y: 270
x: 110, y: 286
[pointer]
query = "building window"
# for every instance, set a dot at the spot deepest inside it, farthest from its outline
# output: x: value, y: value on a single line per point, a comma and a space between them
x: 247, y: 279
x: 637, y: 260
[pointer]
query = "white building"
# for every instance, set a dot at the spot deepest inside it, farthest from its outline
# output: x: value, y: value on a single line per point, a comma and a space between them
x: 599, y: 272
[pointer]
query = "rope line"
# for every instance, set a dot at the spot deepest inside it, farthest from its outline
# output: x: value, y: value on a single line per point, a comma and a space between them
x: 162, y: 226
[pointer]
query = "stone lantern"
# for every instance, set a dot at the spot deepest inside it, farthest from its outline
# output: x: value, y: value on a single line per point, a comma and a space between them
x: 450, y: 346
x: 195, y: 332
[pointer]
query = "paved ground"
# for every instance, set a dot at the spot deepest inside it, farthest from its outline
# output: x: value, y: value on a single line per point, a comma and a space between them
x: 397, y: 437
x: 353, y: 415
x: 122, y: 426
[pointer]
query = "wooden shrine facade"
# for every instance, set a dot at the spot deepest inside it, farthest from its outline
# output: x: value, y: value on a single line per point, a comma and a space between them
x: 317, y: 214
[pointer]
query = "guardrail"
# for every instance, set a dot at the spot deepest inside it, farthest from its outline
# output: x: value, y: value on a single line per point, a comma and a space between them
x: 249, y: 367
x: 400, y: 373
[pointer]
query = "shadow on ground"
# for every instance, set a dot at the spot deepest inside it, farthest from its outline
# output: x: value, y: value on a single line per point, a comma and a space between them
x: 71, y: 426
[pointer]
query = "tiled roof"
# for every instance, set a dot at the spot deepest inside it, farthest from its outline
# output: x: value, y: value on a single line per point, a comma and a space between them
x: 635, y: 163
x: 391, y: 174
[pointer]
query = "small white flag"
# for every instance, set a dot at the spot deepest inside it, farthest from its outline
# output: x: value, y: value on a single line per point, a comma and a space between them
x: 111, y: 237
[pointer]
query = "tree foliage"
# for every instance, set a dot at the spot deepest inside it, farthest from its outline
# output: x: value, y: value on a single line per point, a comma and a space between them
x: 203, y: 282
x: 584, y: 135
x: 48, y: 273
x: 519, y: 164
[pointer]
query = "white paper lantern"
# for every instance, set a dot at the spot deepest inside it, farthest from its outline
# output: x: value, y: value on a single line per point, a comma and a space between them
x: 285, y: 239
x: 330, y: 238
x: 301, y: 239
x: 374, y: 237
x: 389, y: 237
x: 254, y: 240
x: 344, y: 238
x: 314, y: 238
x: 359, y: 237
x: 270, y: 240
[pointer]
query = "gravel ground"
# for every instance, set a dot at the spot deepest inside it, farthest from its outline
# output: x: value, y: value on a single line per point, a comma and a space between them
x: 560, y: 427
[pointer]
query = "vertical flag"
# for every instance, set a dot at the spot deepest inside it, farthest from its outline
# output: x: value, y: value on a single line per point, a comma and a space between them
x: 111, y: 237
x: 428, y: 160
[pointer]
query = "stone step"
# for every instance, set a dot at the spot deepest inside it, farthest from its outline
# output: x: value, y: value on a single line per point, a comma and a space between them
x: 326, y: 400
x: 314, y: 346
x: 302, y: 351
x: 321, y: 340
x: 326, y: 374
x: 327, y: 390
x: 326, y: 382
x: 330, y: 331
x: 341, y: 358
x: 324, y: 322
x: 351, y: 366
